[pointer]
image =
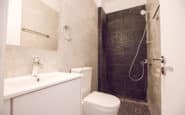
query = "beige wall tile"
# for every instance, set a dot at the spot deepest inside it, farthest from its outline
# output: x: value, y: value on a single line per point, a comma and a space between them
x: 82, y: 50
x: 39, y: 17
x: 154, y: 51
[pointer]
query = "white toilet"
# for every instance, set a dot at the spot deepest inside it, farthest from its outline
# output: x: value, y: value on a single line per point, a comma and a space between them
x: 95, y: 103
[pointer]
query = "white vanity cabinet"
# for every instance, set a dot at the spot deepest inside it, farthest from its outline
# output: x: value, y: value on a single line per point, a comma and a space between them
x: 7, y: 107
x: 59, y: 99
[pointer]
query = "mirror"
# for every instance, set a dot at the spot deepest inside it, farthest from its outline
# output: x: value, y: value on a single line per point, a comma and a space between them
x: 33, y: 23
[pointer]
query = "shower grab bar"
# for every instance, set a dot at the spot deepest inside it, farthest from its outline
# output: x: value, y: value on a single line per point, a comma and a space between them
x: 35, y: 32
x: 156, y: 11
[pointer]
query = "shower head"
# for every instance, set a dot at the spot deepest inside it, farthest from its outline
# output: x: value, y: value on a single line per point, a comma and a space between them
x: 143, y: 12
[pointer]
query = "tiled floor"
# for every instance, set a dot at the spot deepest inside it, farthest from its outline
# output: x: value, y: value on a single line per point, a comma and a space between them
x: 129, y: 107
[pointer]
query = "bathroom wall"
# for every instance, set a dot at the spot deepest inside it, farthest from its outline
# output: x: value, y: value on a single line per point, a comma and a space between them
x: 82, y: 19
x: 154, y: 52
x: 82, y: 50
x: 116, y: 5
x: 55, y: 4
x: 3, y: 15
x: 46, y: 23
x: 20, y: 9
x: 98, y: 3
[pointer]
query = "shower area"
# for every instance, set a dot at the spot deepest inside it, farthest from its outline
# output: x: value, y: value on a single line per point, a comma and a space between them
x: 122, y: 63
x: 123, y: 54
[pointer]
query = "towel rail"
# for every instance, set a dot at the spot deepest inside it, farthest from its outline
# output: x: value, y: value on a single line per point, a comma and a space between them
x: 35, y: 32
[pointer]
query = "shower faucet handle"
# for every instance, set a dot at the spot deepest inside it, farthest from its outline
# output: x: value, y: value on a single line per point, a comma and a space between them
x: 162, y: 59
x: 145, y: 61
x: 165, y: 68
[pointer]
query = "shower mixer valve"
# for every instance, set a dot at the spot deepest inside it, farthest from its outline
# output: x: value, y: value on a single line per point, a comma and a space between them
x: 145, y: 61
x: 164, y: 68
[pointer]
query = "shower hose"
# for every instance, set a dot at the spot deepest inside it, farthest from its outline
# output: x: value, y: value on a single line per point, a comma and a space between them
x: 137, y: 78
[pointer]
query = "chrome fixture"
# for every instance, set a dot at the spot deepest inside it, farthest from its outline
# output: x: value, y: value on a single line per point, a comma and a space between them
x: 156, y: 12
x: 36, y: 65
x: 67, y: 33
x: 35, y: 32
x: 143, y: 12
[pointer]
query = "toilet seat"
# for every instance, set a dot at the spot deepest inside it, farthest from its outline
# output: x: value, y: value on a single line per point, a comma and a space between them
x: 102, y: 101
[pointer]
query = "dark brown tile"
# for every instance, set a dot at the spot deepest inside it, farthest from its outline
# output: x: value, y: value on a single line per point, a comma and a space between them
x: 123, y: 32
x: 129, y: 107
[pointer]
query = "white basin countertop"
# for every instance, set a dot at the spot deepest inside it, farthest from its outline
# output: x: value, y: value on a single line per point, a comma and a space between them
x: 14, y: 87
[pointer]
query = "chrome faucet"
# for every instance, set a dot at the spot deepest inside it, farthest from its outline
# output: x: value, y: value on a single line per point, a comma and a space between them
x: 36, y: 65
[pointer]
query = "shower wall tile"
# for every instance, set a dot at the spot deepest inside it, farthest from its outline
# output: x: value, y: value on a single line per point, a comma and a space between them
x: 124, y: 31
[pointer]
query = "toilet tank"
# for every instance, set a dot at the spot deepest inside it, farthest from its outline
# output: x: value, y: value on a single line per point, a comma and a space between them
x: 86, y: 79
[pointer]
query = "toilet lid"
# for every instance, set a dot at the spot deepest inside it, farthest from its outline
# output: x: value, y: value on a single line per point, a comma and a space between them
x: 103, y: 100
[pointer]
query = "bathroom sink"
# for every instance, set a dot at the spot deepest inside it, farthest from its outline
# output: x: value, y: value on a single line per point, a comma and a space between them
x: 56, y: 76
x: 24, y: 84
